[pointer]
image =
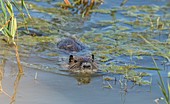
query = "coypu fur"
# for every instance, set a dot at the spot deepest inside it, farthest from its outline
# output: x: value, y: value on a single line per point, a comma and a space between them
x: 82, y: 64
x: 78, y: 64
x: 70, y: 44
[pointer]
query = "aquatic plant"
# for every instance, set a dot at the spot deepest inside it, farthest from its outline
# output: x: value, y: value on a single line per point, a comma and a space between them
x: 16, y: 84
x: 123, y: 2
x: 82, y: 6
x: 129, y: 73
x: 165, y: 90
x: 9, y: 27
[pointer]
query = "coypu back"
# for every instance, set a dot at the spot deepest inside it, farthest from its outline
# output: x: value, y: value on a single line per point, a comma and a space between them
x: 82, y: 64
x: 70, y: 44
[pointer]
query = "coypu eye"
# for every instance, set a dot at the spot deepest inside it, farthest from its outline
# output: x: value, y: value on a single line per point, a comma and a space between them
x: 92, y: 57
x: 75, y: 61
x: 71, y: 58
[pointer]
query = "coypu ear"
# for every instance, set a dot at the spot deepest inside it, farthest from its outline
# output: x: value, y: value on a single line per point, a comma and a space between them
x: 92, y: 56
x: 71, y: 58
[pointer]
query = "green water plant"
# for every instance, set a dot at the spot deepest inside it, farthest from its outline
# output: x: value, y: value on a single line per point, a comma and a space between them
x: 83, y: 6
x: 165, y: 90
x: 9, y: 27
x: 130, y: 73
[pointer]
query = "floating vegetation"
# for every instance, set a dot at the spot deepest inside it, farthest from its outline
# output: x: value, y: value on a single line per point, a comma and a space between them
x: 50, y: 10
x: 103, y: 11
x: 108, y: 78
x: 129, y: 73
x: 130, y: 30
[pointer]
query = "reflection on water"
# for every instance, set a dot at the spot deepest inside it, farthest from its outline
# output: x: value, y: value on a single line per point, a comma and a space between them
x: 2, y: 64
x: 123, y: 97
x: 16, y: 83
x: 83, y: 78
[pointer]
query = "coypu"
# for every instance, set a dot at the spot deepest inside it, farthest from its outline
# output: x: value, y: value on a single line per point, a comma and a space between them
x: 70, y: 45
x: 78, y: 64
x: 82, y: 64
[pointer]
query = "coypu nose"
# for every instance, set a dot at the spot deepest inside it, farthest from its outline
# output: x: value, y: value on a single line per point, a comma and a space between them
x: 87, y: 66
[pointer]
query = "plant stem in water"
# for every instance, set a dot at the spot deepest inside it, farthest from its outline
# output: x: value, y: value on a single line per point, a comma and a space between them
x: 18, y: 59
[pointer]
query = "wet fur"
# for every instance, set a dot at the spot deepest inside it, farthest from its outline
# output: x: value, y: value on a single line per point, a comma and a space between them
x: 75, y: 64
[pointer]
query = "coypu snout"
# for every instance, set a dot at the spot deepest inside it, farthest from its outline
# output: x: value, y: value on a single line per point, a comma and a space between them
x: 86, y: 65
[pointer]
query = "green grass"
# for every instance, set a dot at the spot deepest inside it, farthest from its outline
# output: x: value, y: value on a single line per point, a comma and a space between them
x: 164, y: 89
x: 9, y: 27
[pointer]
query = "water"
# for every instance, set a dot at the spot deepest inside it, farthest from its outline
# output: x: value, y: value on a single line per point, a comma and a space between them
x: 110, y: 36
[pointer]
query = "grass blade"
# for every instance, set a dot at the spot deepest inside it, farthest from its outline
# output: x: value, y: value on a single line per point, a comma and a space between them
x: 16, y: 5
x: 148, y: 68
x: 9, y: 8
x: 23, y: 5
x: 124, y: 2
x: 148, y: 42
x: 163, y: 89
x: 3, y: 10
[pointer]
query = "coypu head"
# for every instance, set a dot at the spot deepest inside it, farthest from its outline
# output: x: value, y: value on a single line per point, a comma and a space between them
x: 82, y: 64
